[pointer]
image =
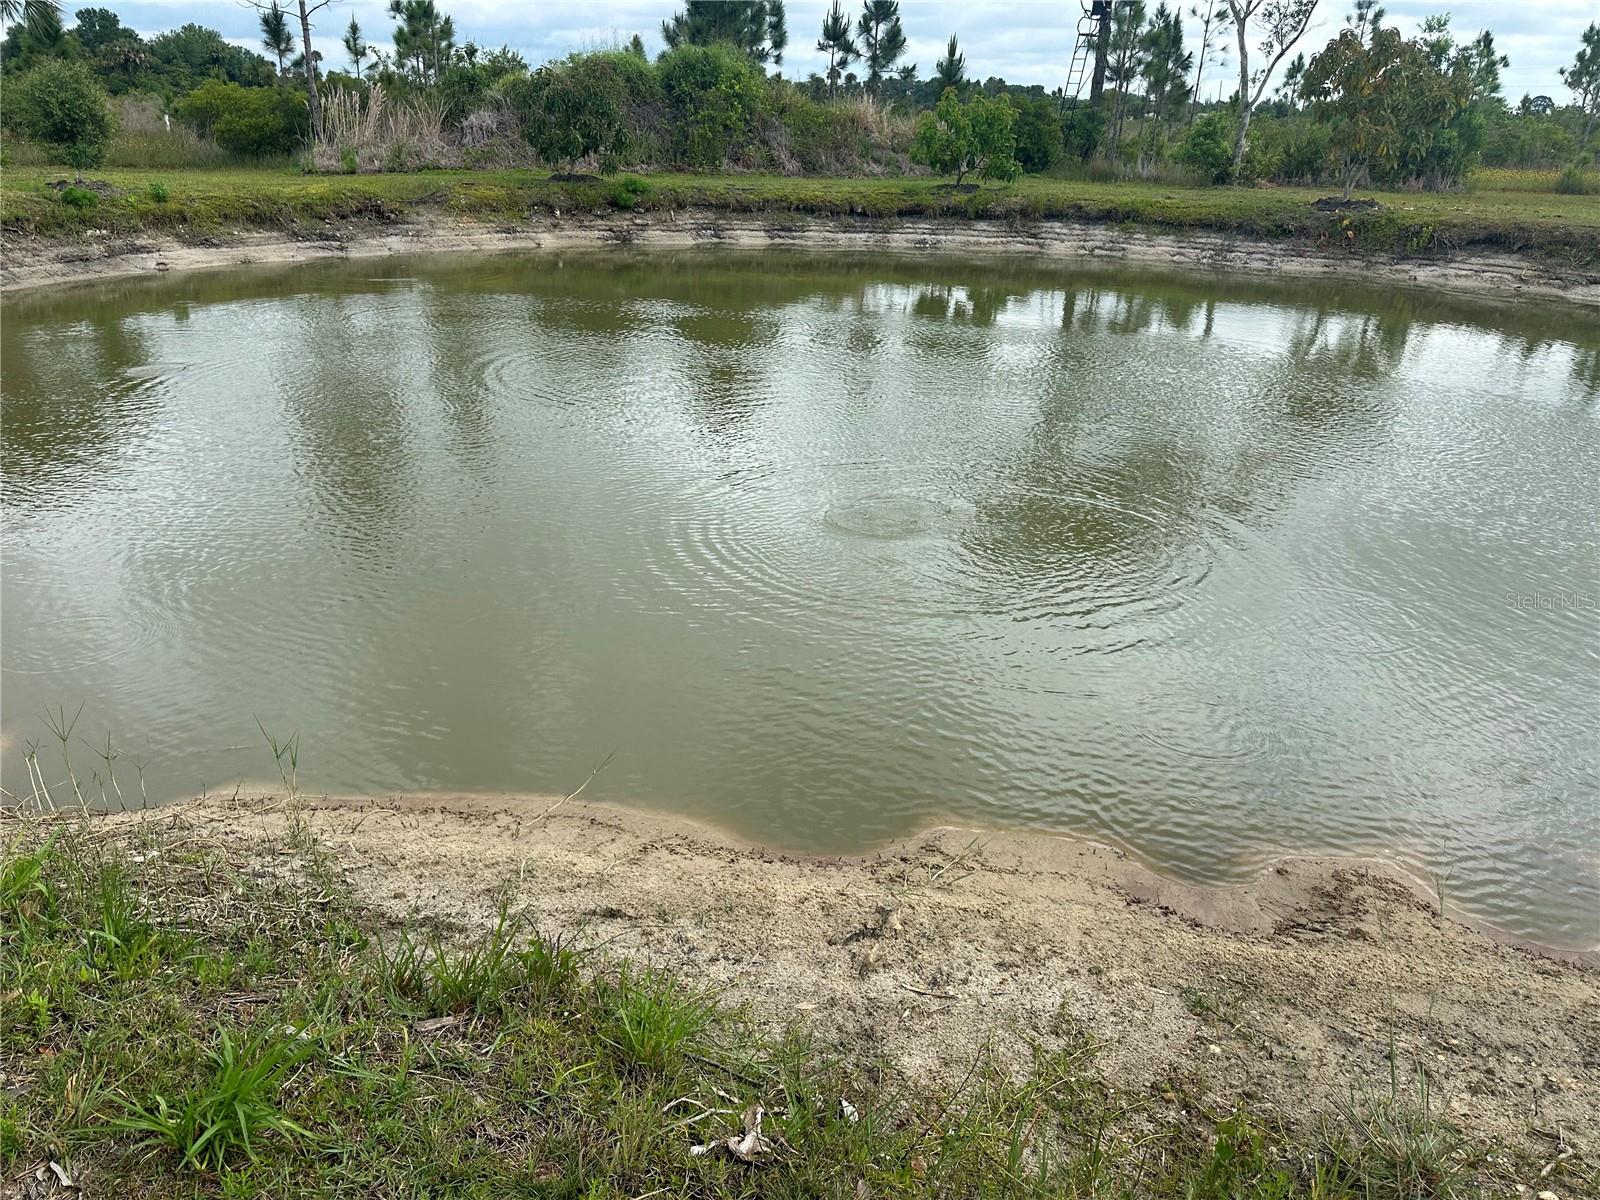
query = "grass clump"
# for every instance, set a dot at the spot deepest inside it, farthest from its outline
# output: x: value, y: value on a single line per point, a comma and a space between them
x: 652, y: 1020
x: 507, y: 965
x: 79, y: 198
x: 227, y: 1113
x: 1575, y: 181
x: 626, y: 191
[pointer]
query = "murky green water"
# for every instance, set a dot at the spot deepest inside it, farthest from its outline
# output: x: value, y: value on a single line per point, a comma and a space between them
x: 825, y: 551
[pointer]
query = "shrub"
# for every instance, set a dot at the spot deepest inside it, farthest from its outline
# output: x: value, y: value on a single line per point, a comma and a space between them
x: 975, y: 137
x: 253, y: 122
x: 61, y: 105
x: 1038, y: 128
x: 1207, y: 149
x: 717, y: 93
x: 628, y: 190
x: 79, y: 198
x: 1082, y: 130
x: 159, y: 193
x: 1305, y: 153
x: 575, y: 109
x: 1574, y: 182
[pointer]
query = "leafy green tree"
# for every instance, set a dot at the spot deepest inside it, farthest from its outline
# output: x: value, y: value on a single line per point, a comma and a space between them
x: 975, y: 137
x: 275, y: 35
x: 576, y: 110
x: 717, y: 93
x: 250, y: 122
x: 97, y: 28
x: 837, y: 44
x: 61, y: 105
x: 882, y: 39
x: 747, y: 25
x: 1207, y: 148
x: 1083, y: 128
x: 1038, y: 130
x: 1382, y: 96
x: 1583, y: 79
x: 424, y: 40
x: 181, y: 59
x: 951, y: 70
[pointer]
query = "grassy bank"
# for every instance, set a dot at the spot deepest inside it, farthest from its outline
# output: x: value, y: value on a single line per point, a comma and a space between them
x: 181, y: 1019
x: 211, y: 203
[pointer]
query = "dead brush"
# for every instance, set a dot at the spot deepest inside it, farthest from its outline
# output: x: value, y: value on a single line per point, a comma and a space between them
x: 377, y: 132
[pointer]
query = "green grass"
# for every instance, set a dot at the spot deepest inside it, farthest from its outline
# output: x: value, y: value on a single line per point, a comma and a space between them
x: 205, y: 203
x: 179, y: 1023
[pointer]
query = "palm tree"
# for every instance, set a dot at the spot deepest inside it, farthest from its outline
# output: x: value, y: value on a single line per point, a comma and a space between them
x: 42, y: 17
x: 275, y: 35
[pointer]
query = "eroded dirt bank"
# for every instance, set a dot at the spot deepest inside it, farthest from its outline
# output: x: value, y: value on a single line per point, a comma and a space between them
x: 33, y: 262
x: 1286, y: 991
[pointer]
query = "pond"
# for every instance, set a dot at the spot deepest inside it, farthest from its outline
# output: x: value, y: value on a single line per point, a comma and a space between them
x: 827, y: 550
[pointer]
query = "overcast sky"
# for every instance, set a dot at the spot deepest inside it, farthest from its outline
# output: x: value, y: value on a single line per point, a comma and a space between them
x: 1024, y: 41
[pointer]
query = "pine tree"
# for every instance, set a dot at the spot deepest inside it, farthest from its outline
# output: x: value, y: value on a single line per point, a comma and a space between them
x: 1165, y: 68
x: 777, y: 31
x: 1125, y: 57
x: 882, y: 39
x: 1214, y: 25
x: 837, y: 44
x: 275, y: 35
x: 355, y: 46
x: 749, y: 25
x: 951, y: 70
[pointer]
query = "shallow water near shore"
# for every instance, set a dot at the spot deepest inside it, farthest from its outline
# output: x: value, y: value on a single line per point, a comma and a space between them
x: 825, y: 550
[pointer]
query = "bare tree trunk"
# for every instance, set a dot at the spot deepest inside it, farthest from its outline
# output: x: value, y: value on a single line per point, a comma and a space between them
x: 1244, y: 91
x: 311, y: 72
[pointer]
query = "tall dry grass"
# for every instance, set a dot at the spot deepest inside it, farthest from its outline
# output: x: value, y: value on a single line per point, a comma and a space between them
x: 377, y: 131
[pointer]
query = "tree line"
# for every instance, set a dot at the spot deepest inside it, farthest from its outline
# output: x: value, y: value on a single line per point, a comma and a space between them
x: 1371, y: 106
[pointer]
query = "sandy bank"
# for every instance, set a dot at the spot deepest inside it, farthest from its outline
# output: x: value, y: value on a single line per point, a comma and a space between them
x: 1284, y: 990
x: 32, y: 262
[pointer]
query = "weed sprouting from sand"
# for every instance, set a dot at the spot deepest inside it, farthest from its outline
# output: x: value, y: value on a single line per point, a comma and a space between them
x: 61, y: 729
x: 1395, y: 1143
x: 285, y: 756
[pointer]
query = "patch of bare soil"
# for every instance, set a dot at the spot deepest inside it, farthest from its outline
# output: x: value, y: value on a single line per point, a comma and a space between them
x: 1340, y: 204
x: 1285, y: 991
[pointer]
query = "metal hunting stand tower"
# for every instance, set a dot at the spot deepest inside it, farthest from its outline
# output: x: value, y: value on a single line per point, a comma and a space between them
x: 1091, y: 47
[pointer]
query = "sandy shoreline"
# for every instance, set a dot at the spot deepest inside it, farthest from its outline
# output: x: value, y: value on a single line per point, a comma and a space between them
x: 33, y: 262
x: 1287, y: 988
